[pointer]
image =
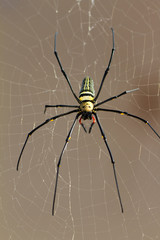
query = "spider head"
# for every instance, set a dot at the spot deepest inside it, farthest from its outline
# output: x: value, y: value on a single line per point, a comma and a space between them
x: 86, y: 106
x: 87, y: 115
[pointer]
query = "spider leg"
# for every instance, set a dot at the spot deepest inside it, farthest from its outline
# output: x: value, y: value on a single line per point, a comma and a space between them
x: 59, y: 161
x: 90, y: 129
x: 59, y: 105
x: 112, y: 160
x: 108, y: 67
x: 130, y: 115
x: 80, y: 122
x: 62, y: 70
x: 39, y: 126
x: 117, y: 96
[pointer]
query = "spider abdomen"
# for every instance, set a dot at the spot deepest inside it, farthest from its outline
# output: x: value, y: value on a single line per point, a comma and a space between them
x: 87, y: 91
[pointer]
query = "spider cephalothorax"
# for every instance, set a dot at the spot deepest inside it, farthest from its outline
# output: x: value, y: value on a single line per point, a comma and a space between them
x: 86, y: 106
x: 85, y: 110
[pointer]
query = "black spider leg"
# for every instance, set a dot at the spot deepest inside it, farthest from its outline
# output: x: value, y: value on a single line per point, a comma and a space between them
x: 117, y: 96
x: 59, y: 105
x: 92, y: 124
x: 62, y: 70
x: 130, y: 115
x: 39, y: 126
x: 60, y: 158
x: 83, y: 127
x: 108, y: 67
x: 80, y: 122
x: 112, y: 160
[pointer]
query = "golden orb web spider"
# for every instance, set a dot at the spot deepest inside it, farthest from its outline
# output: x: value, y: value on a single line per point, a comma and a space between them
x: 85, y: 110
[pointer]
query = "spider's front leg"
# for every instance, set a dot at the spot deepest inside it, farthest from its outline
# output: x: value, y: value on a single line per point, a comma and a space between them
x: 112, y: 160
x: 60, y: 158
x: 36, y: 128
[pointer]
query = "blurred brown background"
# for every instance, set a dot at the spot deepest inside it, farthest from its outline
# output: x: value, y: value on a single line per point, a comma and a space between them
x: 87, y: 206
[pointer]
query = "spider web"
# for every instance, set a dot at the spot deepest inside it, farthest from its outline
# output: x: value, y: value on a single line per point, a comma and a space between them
x: 87, y: 205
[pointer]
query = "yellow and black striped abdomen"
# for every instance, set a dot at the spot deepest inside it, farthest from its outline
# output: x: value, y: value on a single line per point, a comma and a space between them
x: 87, y: 91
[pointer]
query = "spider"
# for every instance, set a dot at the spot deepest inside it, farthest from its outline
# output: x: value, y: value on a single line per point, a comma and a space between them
x: 87, y: 108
